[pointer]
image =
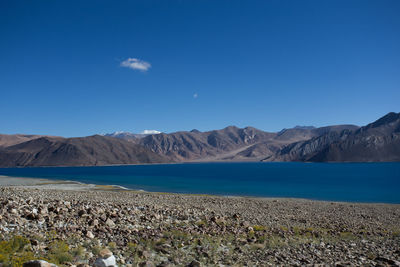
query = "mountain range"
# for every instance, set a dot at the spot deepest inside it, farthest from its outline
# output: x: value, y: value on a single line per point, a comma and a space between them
x: 377, y: 141
x: 128, y: 135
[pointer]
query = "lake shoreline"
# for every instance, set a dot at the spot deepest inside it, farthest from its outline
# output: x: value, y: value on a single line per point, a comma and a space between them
x: 57, y: 184
x: 356, y: 182
x: 45, y: 183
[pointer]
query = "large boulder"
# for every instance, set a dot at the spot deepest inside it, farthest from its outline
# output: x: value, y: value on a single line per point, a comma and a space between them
x: 38, y: 263
x: 106, y: 259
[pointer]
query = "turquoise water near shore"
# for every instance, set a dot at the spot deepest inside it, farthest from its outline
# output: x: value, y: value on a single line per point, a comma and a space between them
x: 358, y: 182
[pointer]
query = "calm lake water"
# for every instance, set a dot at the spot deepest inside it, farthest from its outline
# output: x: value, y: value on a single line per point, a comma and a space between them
x: 360, y: 182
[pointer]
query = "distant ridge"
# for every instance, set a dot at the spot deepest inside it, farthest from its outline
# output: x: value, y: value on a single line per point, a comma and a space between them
x: 377, y: 141
x: 83, y: 151
x: 131, y: 136
x: 125, y: 135
x: 13, y: 139
x: 228, y: 144
x: 304, y: 127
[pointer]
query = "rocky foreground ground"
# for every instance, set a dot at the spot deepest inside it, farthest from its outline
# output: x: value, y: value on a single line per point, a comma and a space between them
x: 154, y: 229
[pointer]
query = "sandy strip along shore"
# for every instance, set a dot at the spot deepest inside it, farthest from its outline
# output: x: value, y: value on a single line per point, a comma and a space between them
x: 40, y: 183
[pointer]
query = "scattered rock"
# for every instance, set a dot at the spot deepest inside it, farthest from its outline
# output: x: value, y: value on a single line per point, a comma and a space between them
x: 147, y: 264
x: 38, y: 263
x: 168, y: 230
x: 110, y: 222
x: 105, y: 253
x: 89, y: 234
x: 194, y: 263
x: 106, y: 259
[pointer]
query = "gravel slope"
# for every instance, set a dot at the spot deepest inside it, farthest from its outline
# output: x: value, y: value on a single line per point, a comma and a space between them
x: 177, y: 230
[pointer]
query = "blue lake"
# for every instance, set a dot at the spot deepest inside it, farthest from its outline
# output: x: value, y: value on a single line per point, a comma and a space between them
x: 359, y: 182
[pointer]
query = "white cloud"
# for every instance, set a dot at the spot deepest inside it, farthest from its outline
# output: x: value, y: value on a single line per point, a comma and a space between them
x: 195, y: 95
x: 136, y: 64
x: 150, y: 132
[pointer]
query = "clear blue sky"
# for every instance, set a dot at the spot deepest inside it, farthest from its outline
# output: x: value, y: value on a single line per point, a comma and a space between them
x: 75, y: 68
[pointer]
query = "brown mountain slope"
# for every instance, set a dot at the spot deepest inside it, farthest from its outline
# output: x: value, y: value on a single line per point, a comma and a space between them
x: 182, y: 146
x: 378, y: 141
x: 13, y: 139
x: 230, y: 143
x: 83, y: 151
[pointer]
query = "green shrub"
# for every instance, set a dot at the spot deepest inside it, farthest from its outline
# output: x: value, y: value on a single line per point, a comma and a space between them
x: 78, y: 252
x: 132, y: 247
x: 201, y: 223
x: 259, y: 228
x: 112, y: 246
x: 14, y: 252
x: 347, y: 236
x: 59, y: 252
x: 96, y: 249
